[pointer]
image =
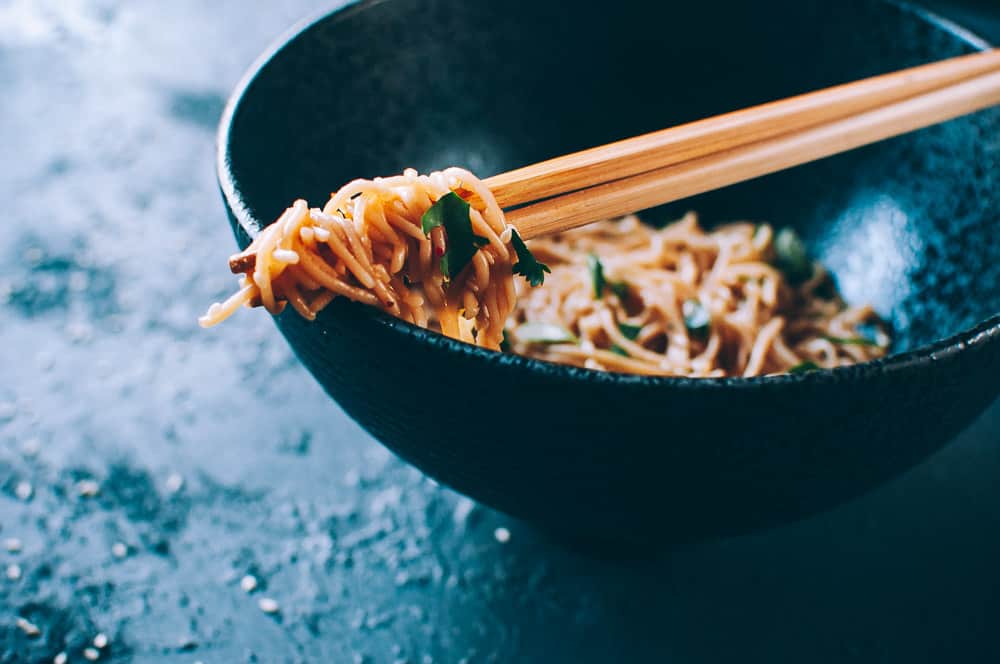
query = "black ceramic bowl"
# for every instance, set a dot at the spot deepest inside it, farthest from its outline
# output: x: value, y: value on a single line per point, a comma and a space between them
x: 910, y: 225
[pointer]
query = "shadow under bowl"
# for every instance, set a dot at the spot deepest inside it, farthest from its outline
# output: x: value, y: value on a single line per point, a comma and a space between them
x: 909, y: 225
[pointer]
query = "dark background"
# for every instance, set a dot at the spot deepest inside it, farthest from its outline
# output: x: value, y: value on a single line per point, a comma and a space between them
x: 215, y: 455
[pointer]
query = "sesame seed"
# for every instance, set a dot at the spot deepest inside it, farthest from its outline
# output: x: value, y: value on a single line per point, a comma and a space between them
x: 119, y: 550
x: 88, y: 488
x: 12, y: 544
x: 92, y: 654
x: 501, y: 535
x: 79, y: 331
x: 352, y: 478
x: 267, y: 605
x: 23, y: 490
x: 174, y: 483
x: 13, y: 571
x: 28, y: 627
x: 101, y: 640
x: 60, y: 658
x: 248, y: 583
x: 31, y: 447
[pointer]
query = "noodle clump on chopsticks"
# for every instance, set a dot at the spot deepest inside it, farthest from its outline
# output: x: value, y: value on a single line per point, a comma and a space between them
x: 373, y: 243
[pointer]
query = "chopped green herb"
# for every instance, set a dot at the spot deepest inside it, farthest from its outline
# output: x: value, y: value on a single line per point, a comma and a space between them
x: 696, y: 317
x: 853, y: 341
x: 618, y: 350
x: 527, y: 265
x: 790, y: 256
x: 543, y: 333
x: 601, y: 283
x: 451, y: 212
x: 630, y: 331
x: 505, y: 341
x: 596, y: 275
x: 804, y: 367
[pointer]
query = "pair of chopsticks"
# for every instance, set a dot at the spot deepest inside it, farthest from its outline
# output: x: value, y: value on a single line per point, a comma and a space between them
x: 668, y: 165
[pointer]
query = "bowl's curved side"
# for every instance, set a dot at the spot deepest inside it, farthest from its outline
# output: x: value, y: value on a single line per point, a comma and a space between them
x: 611, y: 460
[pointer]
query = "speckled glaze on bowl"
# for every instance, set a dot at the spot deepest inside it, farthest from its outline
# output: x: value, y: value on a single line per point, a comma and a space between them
x: 909, y: 225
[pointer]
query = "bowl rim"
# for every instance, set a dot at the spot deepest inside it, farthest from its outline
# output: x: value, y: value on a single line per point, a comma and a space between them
x: 986, y: 331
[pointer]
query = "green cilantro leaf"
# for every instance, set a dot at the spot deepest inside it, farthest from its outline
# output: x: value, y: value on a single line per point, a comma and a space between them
x: 804, y: 367
x: 452, y: 213
x: 596, y: 275
x: 790, y: 256
x: 618, y: 350
x: 630, y: 331
x: 619, y: 288
x: 600, y: 281
x: 527, y: 265
x: 505, y: 342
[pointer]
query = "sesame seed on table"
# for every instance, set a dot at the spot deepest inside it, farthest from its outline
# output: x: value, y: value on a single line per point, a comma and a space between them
x: 173, y: 495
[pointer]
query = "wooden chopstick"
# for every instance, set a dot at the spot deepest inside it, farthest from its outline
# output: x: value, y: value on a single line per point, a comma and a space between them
x: 736, y: 164
x: 710, y: 136
x: 637, y: 173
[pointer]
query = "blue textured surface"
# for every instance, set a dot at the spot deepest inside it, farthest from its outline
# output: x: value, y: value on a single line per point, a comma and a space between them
x: 114, y: 243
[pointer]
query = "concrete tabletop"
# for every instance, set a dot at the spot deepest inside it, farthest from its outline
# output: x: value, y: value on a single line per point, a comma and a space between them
x: 174, y: 495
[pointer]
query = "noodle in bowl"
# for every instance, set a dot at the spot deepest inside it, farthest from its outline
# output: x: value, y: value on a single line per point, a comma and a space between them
x: 683, y: 302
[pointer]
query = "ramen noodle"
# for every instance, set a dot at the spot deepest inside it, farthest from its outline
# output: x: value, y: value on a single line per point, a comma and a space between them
x: 368, y: 244
x: 434, y: 250
x: 741, y: 300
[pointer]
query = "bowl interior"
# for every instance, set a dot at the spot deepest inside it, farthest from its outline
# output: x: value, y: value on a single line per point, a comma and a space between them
x: 907, y: 224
